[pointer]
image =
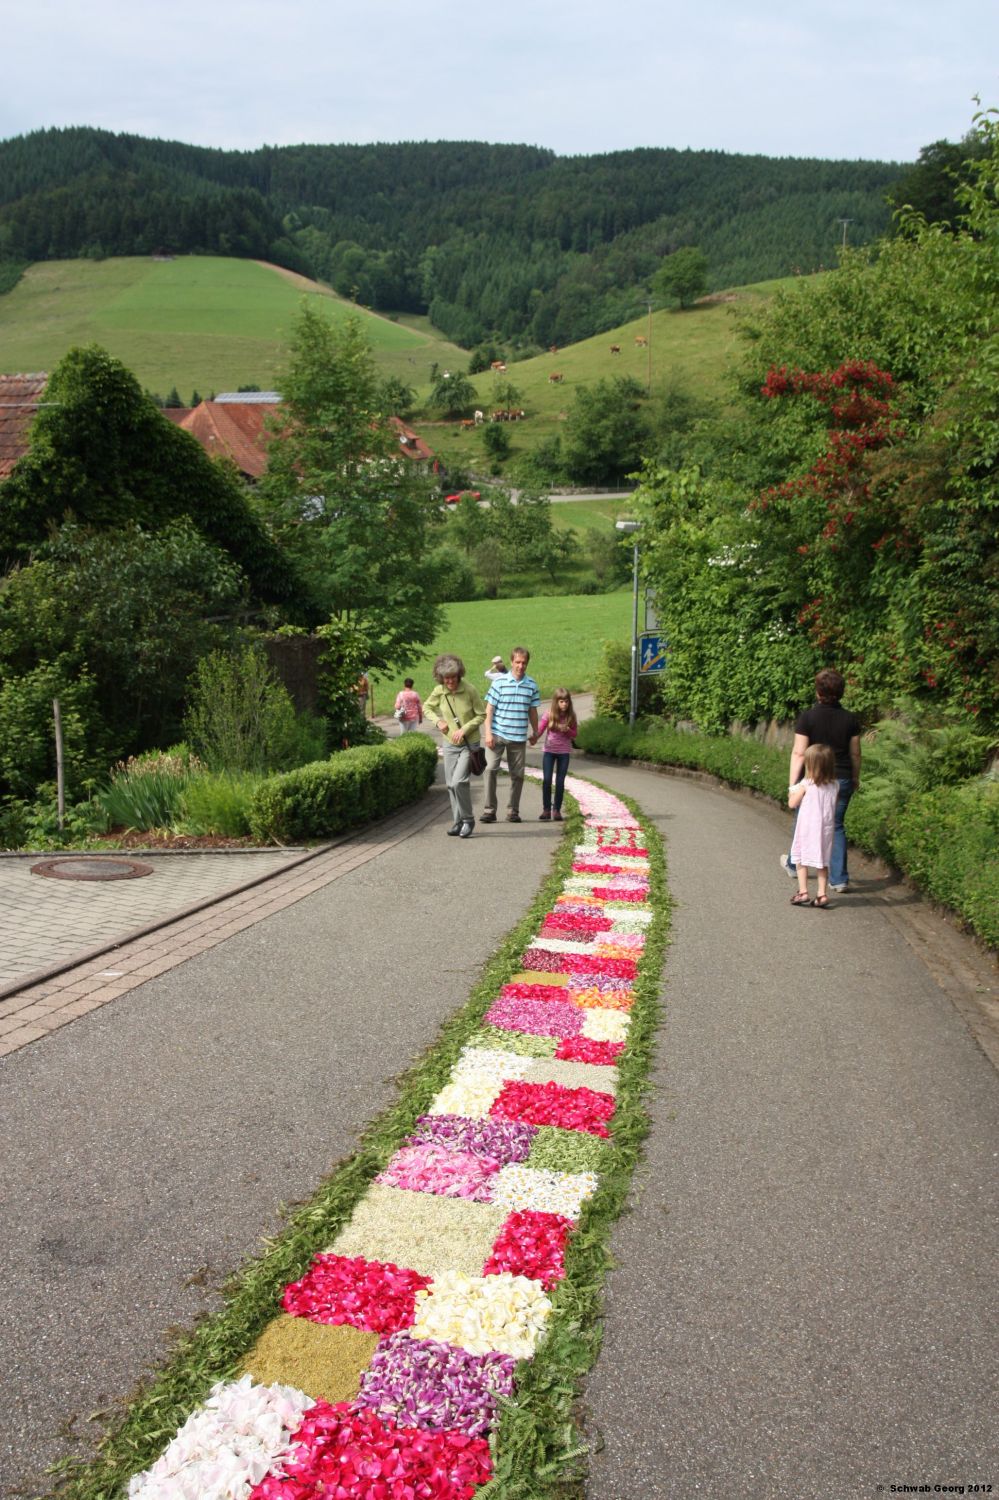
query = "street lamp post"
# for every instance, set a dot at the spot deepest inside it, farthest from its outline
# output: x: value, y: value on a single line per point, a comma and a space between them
x: 630, y: 528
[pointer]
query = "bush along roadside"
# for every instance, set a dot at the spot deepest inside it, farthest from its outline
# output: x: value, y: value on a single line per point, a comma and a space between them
x: 421, y: 1324
x: 944, y: 839
x: 352, y: 787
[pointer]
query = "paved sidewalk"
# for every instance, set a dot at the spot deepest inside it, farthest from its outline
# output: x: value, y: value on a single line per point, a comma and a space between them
x: 47, y: 922
x: 60, y: 998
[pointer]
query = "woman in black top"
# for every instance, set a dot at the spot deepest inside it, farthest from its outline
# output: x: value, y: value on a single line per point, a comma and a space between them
x: 828, y: 723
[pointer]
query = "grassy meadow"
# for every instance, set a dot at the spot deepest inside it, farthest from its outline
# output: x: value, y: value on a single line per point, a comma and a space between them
x: 691, y: 350
x: 565, y: 636
x: 197, y: 322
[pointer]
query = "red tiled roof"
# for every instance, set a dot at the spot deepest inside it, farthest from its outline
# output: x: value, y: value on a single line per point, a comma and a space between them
x: 20, y: 396
x: 176, y: 414
x: 410, y: 442
x: 237, y: 431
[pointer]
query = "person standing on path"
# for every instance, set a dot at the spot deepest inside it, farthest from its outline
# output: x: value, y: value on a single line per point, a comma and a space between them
x: 828, y: 723
x: 408, y: 709
x: 457, y: 709
x: 496, y: 669
x: 511, y: 710
x: 560, y: 723
x: 814, y: 799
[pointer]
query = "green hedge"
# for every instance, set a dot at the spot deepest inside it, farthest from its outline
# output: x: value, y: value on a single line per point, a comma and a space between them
x: 946, y: 840
x: 352, y: 787
x: 740, y: 762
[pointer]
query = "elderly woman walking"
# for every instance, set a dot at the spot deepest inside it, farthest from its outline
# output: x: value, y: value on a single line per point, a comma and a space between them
x: 457, y: 710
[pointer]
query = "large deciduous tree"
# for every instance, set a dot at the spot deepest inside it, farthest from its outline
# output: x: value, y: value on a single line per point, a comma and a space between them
x: 340, y: 497
x: 103, y: 454
x: 683, y: 276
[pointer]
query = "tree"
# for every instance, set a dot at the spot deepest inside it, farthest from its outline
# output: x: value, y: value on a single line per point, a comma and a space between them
x: 101, y: 451
x: 130, y: 610
x: 452, y: 394
x: 606, y: 431
x: 496, y: 441
x: 933, y: 185
x: 683, y: 276
x: 352, y: 512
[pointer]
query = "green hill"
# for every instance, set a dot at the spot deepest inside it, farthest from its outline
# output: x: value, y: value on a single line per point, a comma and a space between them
x: 690, y: 351
x: 492, y: 242
x: 196, y: 322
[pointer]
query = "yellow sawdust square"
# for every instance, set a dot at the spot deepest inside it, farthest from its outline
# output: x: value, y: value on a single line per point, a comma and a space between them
x: 539, y: 976
x: 324, y: 1361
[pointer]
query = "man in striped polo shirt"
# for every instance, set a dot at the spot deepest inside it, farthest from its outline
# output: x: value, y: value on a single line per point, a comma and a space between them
x: 511, y: 711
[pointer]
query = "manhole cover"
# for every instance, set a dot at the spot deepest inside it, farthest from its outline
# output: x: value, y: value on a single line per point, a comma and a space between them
x: 81, y: 868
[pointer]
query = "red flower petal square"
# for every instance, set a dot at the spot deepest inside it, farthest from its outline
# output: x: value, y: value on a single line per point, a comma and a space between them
x: 531, y: 1243
x: 369, y: 1294
x: 344, y: 1454
x: 554, y: 1104
x: 584, y: 1049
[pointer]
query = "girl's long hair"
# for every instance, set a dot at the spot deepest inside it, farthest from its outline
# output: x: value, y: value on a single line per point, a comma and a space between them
x: 820, y: 764
x: 562, y: 718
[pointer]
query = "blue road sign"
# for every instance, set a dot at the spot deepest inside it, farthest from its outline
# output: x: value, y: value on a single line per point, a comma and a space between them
x: 652, y: 653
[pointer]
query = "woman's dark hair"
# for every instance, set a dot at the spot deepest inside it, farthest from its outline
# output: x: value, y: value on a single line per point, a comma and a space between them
x: 408, y: 682
x: 448, y: 665
x: 829, y: 685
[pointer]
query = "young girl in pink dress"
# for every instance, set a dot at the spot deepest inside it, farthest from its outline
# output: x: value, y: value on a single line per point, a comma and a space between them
x: 815, y: 799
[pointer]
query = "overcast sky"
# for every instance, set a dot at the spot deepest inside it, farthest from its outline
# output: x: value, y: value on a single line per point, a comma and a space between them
x: 844, y: 79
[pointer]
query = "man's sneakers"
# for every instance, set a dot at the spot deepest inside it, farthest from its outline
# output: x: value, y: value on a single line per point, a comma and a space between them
x: 787, y: 867
x: 839, y: 889
x: 487, y: 817
x: 544, y: 817
x: 513, y: 817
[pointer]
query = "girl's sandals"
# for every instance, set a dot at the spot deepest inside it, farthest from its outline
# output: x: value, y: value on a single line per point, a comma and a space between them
x: 801, y: 898
x: 822, y: 902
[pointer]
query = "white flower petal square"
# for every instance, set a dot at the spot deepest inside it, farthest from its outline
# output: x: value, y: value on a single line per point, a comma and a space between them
x: 517, y: 1187
x: 503, y: 1313
x: 601, y: 1024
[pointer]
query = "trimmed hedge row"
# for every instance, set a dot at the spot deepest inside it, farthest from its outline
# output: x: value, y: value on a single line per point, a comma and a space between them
x: 352, y: 787
x: 946, y: 840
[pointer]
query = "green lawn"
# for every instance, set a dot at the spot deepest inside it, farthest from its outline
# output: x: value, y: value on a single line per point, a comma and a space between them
x: 691, y: 350
x: 195, y: 322
x: 564, y: 635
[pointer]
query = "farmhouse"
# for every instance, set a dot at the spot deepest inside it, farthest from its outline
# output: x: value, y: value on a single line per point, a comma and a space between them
x: 20, y: 398
x: 235, y: 426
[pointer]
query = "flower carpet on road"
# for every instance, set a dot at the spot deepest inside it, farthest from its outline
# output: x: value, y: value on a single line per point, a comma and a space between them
x: 386, y: 1368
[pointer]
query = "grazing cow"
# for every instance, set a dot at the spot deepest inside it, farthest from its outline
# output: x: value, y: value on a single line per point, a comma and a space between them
x: 555, y: 379
x: 498, y: 416
x: 615, y: 348
x: 467, y: 422
x: 640, y: 341
x: 498, y: 365
x: 478, y: 419
x: 553, y: 348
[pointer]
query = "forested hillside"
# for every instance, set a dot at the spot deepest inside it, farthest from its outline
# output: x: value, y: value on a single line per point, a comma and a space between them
x: 507, y: 242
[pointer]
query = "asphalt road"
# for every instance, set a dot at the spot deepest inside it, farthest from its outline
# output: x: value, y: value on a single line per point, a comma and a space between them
x: 805, y: 1301
x: 806, y: 1297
